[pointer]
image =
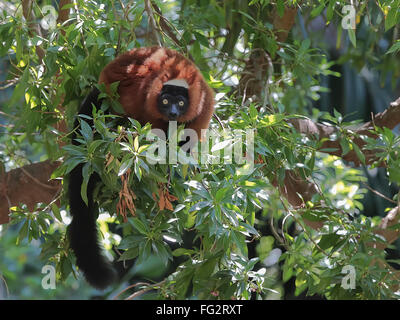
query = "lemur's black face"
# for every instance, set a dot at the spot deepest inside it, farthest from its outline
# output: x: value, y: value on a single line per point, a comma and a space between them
x: 173, y: 101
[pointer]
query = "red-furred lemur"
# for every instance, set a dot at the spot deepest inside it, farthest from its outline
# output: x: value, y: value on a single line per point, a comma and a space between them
x: 156, y: 85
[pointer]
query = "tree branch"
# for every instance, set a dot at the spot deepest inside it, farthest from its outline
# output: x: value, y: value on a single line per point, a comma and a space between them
x: 28, y: 185
x: 389, y: 118
x: 34, y: 28
x: 284, y: 24
x: 388, y: 229
x: 297, y: 190
x: 152, y: 22
x: 259, y: 66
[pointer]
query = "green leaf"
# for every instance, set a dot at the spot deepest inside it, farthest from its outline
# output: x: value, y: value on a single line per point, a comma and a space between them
x: 143, y: 148
x: 19, y: 46
x: 71, y: 163
x: 75, y: 150
x: 252, y: 262
x: 94, y: 145
x: 202, y: 39
x: 394, y: 48
x: 86, y: 131
x: 352, y: 37
x: 145, y: 251
x: 100, y: 127
x: 339, y: 38
x: 250, y: 229
x: 206, y: 269
x: 117, y: 107
x: 139, y: 226
x: 56, y: 212
x: 59, y: 172
x: 328, y: 240
x: 179, y: 207
x: 23, y: 232
x: 182, y: 251
x: 305, y: 44
x: 125, y: 166
x: 394, y: 174
x: 280, y: 6
x: 317, y: 10
x: 330, y: 10
x: 393, y: 17
x: 265, y: 246
x: 19, y: 90
x: 129, y: 254
x: 239, y: 240
x: 253, y: 112
x: 136, y: 143
x: 86, y: 172
x: 220, y: 194
x: 345, y: 145
x: 338, y: 115
x: 130, y: 241
x: 157, y: 176
x: 359, y: 153
x: 162, y: 252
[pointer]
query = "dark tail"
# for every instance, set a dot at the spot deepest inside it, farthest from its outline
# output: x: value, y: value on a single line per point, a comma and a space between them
x: 83, y: 234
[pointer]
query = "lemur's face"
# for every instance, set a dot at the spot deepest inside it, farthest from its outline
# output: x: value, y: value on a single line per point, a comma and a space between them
x: 173, y: 100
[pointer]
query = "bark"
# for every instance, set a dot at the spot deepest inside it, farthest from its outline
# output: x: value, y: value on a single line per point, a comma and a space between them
x: 31, y: 184
x: 28, y: 185
x: 284, y: 24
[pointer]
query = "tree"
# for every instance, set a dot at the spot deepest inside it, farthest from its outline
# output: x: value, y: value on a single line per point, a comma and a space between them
x: 267, y: 61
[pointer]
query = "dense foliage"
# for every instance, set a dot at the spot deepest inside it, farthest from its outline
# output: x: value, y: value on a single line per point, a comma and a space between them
x: 148, y: 209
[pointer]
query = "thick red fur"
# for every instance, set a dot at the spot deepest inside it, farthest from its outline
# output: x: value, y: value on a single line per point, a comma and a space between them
x: 141, y: 74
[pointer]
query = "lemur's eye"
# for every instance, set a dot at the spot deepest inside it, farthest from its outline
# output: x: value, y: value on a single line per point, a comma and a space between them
x: 165, y: 101
x: 181, y: 103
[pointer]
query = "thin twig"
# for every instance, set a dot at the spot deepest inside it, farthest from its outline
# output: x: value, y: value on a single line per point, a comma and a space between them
x: 378, y: 193
x: 152, y: 21
x: 37, y: 181
x: 140, y: 292
x: 305, y: 231
x: 219, y: 121
x: 5, y: 284
x: 8, y: 115
x: 3, y: 188
x: 165, y: 27
x: 10, y: 83
x: 33, y: 27
x: 130, y: 287
x: 79, y: 20
x: 282, y: 240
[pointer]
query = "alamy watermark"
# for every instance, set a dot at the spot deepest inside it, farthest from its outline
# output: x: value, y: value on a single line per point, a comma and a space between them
x: 349, y: 280
x: 214, y: 147
x: 50, y: 15
x: 49, y: 280
x: 349, y: 18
